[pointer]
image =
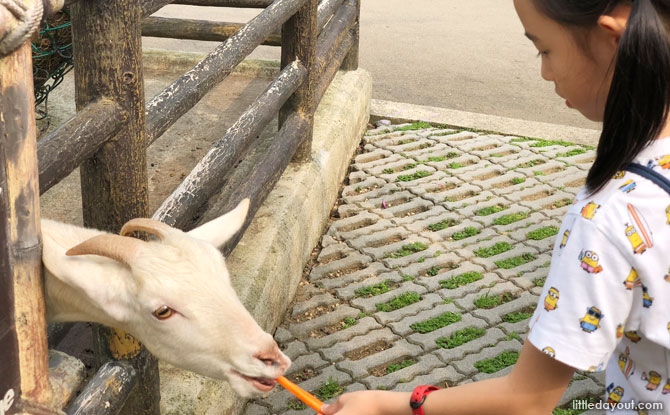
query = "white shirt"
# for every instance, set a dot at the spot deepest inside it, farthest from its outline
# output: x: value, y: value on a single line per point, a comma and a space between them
x: 606, y: 301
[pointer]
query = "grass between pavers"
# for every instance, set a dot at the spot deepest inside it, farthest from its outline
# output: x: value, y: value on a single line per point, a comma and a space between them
x: 542, y: 233
x: 516, y: 261
x: 461, y: 280
x: 348, y: 322
x: 538, y: 142
x: 455, y: 165
x: 488, y: 301
x: 519, y: 315
x: 569, y: 409
x: 447, y: 223
x: 408, y: 249
x: 411, y: 177
x: 491, y: 210
x: 496, y: 249
x: 573, y: 152
x: 498, y: 363
x: 297, y: 405
x: 437, y: 159
x: 518, y: 180
x: 399, y: 301
x: 376, y: 289
x: 395, y: 367
x: 460, y: 337
x: 438, y: 322
x: 465, y: 233
x: 414, y: 126
x: 329, y: 390
x: 539, y: 282
x: 509, y: 219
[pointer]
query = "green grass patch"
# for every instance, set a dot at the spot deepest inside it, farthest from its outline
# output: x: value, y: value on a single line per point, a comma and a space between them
x: 574, y: 152
x: 542, y: 233
x: 415, y: 176
x: 348, y: 322
x: 434, y: 270
x: 454, y: 165
x: 398, y: 366
x: 399, y: 301
x: 563, y: 202
x: 376, y: 289
x: 508, y: 219
x: 496, y: 249
x: 518, y: 316
x: 329, y: 390
x: 460, y: 337
x: 388, y: 171
x: 414, y: 126
x: 408, y: 249
x: 538, y: 173
x: 497, y: 363
x: 538, y: 142
x: 516, y: 261
x: 465, y: 233
x: 461, y: 280
x: 530, y: 164
x: 491, y: 210
x: 406, y: 277
x: 518, y: 180
x: 438, y: 322
x: 296, y: 405
x: 409, y: 166
x: 488, y: 301
x: 447, y: 223
x: 513, y: 336
x: 539, y: 282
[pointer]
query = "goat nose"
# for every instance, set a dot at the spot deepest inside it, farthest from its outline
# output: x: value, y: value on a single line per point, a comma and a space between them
x: 273, y: 358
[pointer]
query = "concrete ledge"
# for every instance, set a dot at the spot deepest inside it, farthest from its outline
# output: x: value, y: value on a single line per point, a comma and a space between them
x: 267, y: 265
x: 402, y: 112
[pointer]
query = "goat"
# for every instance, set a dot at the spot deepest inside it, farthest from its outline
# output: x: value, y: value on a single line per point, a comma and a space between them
x: 173, y: 294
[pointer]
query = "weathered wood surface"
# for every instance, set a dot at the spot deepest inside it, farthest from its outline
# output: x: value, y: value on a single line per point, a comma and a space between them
x: 299, y: 35
x: 150, y: 7
x: 107, y: 391
x: 337, y: 28
x: 331, y: 70
x: 175, y: 100
x: 197, y: 30
x: 181, y: 208
x: 108, y: 63
x: 325, y: 11
x: 76, y: 140
x: 20, y: 242
x: 350, y: 62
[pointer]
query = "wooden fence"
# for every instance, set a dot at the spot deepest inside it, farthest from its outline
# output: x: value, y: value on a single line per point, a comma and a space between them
x: 108, y: 138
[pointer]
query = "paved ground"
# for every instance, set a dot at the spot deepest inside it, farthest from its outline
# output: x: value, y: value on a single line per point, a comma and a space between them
x: 404, y: 268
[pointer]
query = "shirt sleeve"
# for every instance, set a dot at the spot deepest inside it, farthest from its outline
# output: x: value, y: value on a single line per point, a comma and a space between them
x: 586, y: 299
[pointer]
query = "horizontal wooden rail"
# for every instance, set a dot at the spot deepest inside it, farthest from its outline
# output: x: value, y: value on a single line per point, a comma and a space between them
x: 76, y: 140
x: 325, y: 11
x: 150, y: 7
x: 207, y: 177
x: 336, y: 30
x: 329, y: 73
x: 175, y: 100
x: 106, y: 393
x: 197, y: 30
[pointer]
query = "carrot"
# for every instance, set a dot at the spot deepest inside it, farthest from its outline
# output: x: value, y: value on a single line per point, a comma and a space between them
x: 301, y: 394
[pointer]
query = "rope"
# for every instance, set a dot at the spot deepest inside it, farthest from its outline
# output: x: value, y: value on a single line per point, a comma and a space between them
x: 29, y: 20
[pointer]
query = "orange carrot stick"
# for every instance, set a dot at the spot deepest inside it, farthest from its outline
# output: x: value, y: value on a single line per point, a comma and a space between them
x: 301, y: 394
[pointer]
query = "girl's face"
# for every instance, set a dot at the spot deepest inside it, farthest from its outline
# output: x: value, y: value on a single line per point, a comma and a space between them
x: 581, y: 73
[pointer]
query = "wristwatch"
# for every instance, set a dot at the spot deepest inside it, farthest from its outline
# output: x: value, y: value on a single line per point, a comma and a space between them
x: 419, y: 396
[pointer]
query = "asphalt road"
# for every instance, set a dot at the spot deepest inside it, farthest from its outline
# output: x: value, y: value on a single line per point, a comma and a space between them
x: 465, y: 55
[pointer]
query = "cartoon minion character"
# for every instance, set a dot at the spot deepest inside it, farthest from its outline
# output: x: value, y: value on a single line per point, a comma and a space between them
x: 667, y: 276
x: 664, y: 162
x: 628, y: 187
x: 633, y: 336
x: 549, y: 351
x: 667, y: 213
x: 619, y: 331
x: 619, y: 175
x: 598, y: 368
x: 614, y: 394
x: 632, y: 280
x: 646, y: 300
x: 566, y: 235
x: 639, y: 246
x: 626, y: 364
x: 590, y: 262
x: 653, y: 380
x: 589, y: 210
x: 666, y: 388
x: 591, y: 320
x: 551, y: 300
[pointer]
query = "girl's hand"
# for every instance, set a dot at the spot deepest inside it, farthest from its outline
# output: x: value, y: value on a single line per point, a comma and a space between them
x: 355, y: 403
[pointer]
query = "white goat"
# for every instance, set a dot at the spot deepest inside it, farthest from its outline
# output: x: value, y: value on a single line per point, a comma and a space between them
x: 173, y: 294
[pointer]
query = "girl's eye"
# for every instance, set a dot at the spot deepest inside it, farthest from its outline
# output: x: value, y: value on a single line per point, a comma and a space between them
x: 542, y: 53
x: 163, y: 312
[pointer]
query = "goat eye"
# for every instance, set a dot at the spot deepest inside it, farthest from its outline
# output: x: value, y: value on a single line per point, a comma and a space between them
x: 163, y: 312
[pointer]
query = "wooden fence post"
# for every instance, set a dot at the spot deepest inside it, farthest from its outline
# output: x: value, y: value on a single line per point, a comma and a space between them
x: 24, y: 369
x: 350, y: 62
x: 107, y: 64
x: 299, y: 36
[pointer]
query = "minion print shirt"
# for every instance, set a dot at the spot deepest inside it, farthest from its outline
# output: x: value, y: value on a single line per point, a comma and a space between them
x: 606, y: 301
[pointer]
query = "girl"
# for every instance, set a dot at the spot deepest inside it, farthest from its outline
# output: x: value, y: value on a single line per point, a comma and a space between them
x: 609, y: 282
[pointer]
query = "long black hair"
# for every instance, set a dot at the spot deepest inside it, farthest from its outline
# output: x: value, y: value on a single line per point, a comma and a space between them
x: 639, y: 97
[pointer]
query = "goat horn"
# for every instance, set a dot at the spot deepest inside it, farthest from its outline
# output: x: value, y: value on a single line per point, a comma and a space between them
x: 115, y: 247
x: 150, y: 226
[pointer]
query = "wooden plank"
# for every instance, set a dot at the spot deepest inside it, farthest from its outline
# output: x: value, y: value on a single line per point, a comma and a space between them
x: 107, y: 391
x: 76, y: 140
x: 150, y: 7
x: 197, y: 30
x: 325, y: 11
x: 337, y: 29
x: 350, y: 62
x: 175, y: 100
x: 108, y: 63
x: 181, y: 208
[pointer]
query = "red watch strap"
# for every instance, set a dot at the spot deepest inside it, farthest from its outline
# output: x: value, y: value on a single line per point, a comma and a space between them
x: 419, y: 396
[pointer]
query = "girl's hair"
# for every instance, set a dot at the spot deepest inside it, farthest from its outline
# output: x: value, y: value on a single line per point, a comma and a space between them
x: 639, y: 97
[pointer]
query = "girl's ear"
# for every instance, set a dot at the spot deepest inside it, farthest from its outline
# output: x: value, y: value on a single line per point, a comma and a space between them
x: 614, y: 23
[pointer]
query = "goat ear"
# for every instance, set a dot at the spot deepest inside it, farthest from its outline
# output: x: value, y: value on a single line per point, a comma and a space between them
x: 221, y: 229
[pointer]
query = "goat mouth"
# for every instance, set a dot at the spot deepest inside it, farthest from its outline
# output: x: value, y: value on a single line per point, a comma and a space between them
x: 262, y: 384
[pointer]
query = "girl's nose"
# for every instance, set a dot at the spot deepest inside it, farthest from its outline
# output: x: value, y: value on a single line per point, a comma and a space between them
x: 545, y: 71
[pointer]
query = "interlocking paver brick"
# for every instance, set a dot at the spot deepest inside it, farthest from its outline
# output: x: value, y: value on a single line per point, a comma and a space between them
x: 399, y: 207
x: 313, y: 302
x: 361, y: 368
x: 422, y: 365
x: 467, y: 364
x: 282, y: 335
x: 374, y: 158
x: 467, y: 302
x: 579, y: 389
x: 548, y: 227
x: 368, y: 304
x: 295, y: 349
x: 488, y: 280
x: 515, y: 272
x: 360, y: 191
x: 306, y: 328
x: 371, y: 270
x: 253, y: 408
x: 427, y: 301
x: 333, y: 252
x: 530, y: 280
x: 348, y: 292
x: 335, y: 269
x: 494, y: 316
x: 457, y: 139
x: 279, y: 398
x: 456, y: 201
x: 337, y: 352
x: 432, y: 267
x: 403, y: 327
x: 411, y: 222
x: 444, y: 376
x: 363, y: 326
x: 428, y: 341
x: 306, y: 361
x: 491, y: 336
x: 494, y: 262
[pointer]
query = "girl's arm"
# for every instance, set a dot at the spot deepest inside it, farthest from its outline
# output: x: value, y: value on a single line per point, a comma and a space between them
x: 534, y: 386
